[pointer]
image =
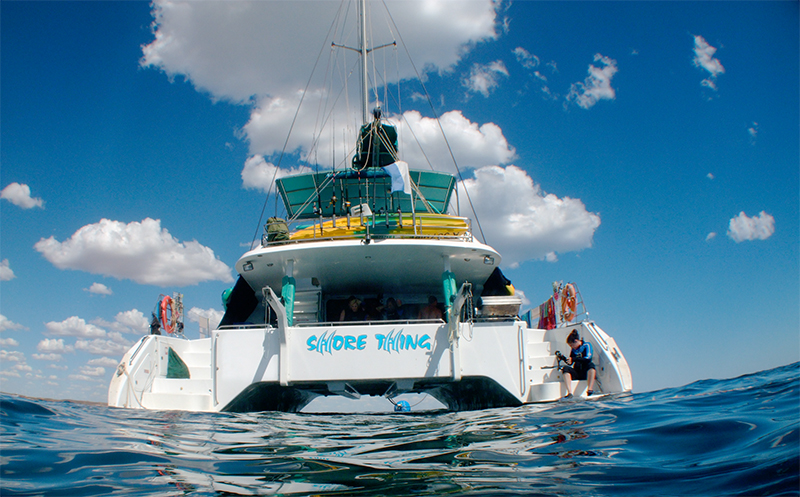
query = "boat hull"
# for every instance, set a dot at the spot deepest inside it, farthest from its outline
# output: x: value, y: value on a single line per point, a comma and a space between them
x: 480, y: 365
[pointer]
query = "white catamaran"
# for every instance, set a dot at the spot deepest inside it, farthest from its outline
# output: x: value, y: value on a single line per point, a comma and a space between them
x: 343, y: 299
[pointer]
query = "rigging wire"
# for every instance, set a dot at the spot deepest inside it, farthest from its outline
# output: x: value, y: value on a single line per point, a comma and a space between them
x: 328, y: 115
x: 436, y: 116
x: 291, y: 127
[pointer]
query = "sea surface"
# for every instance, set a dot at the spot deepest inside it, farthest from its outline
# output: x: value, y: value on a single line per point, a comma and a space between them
x: 716, y: 437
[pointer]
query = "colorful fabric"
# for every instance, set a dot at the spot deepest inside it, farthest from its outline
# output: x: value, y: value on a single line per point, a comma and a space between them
x: 547, y: 315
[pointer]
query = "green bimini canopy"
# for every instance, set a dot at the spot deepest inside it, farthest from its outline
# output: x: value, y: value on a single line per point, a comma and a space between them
x: 333, y: 193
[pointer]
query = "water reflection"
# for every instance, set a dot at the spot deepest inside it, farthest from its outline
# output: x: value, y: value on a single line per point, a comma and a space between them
x: 730, y: 437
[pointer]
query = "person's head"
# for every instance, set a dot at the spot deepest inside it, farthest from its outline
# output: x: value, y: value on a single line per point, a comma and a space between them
x: 353, y: 303
x: 574, y: 340
x: 391, y: 304
x: 432, y: 300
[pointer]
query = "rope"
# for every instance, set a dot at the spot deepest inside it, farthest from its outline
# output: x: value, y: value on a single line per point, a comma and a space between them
x: 286, y: 142
x: 436, y: 116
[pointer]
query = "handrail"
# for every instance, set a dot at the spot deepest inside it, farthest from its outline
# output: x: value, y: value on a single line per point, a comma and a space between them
x: 457, y: 228
x: 369, y: 322
x: 283, y: 329
x: 329, y: 324
x: 465, y: 237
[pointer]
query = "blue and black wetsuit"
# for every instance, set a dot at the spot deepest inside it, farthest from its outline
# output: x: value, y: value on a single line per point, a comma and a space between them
x: 581, y: 362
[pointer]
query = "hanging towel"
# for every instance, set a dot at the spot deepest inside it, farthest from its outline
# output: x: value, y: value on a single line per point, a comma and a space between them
x: 401, y: 182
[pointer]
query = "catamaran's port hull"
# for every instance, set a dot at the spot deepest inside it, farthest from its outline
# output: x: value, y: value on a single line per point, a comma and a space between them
x: 482, y: 365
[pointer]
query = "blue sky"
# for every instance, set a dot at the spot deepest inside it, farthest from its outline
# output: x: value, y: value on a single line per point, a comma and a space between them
x: 613, y: 144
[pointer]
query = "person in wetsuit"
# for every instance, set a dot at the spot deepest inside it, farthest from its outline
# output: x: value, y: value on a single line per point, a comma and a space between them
x: 579, y: 364
x: 354, y: 311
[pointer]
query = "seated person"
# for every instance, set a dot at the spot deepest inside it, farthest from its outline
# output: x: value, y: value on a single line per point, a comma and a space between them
x: 580, y: 365
x: 431, y: 311
x: 354, y: 311
x: 392, y: 311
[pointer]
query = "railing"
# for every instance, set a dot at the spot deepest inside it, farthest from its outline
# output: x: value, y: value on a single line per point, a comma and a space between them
x: 244, y: 326
x: 532, y: 316
x: 380, y: 226
x: 330, y: 324
x: 370, y: 322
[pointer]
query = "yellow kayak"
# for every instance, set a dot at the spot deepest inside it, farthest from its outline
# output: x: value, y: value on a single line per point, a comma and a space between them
x: 427, y: 225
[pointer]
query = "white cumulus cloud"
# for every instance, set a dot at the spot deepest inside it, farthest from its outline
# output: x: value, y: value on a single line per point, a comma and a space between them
x: 243, y: 49
x: 597, y: 86
x: 104, y: 361
x: 14, y: 356
x: 521, y: 221
x: 704, y: 58
x: 7, y: 324
x: 20, y: 195
x: 531, y: 62
x: 47, y: 357
x: 53, y: 345
x: 99, y: 289
x: 474, y: 145
x: 743, y: 228
x: 139, y: 251
x: 8, y: 342
x: 102, y: 347
x: 259, y: 174
x: 753, y: 132
x: 199, y: 315
x: 261, y: 54
x: 527, y: 59
x: 93, y: 371
x: 6, y: 273
x: 133, y: 321
x: 485, y: 78
x: 74, y: 327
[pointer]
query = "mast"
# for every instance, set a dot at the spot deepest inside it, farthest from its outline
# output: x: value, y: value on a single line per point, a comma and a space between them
x: 363, y: 49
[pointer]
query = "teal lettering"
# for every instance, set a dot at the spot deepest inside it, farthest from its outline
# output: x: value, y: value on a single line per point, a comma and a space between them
x: 380, y: 338
x: 349, y: 340
x: 423, y: 342
x: 312, y: 342
x: 328, y: 342
x: 361, y: 343
x: 338, y: 342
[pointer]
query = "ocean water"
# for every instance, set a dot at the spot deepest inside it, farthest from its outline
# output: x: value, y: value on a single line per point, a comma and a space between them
x: 723, y: 437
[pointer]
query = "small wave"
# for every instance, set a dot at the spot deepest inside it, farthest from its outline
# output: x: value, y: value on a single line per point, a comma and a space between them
x: 738, y: 436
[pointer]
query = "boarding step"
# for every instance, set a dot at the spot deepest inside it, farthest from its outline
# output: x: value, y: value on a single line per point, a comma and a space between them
x: 538, y: 349
x: 181, y: 386
x: 200, y: 372
x: 173, y: 401
x: 545, y: 392
x: 579, y: 388
x: 535, y: 335
x: 541, y: 369
x: 554, y: 390
x: 200, y: 357
x: 199, y: 363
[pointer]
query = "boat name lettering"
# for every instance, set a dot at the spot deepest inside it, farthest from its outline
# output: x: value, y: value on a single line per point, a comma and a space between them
x: 400, y: 341
x: 394, y: 341
x: 333, y: 342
